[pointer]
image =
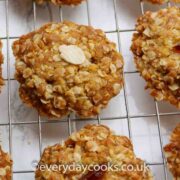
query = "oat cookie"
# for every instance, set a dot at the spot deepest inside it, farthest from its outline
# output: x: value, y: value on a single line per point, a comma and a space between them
x: 61, y: 2
x: 172, y: 152
x: 156, y: 48
x: 163, y: 1
x: 5, y: 166
x: 93, y: 145
x: 1, y: 62
x: 64, y: 67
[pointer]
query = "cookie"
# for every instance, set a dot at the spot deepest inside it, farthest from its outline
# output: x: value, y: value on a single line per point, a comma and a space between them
x: 1, y: 62
x: 93, y: 146
x: 61, y: 2
x: 162, y: 1
x: 5, y: 166
x: 172, y: 152
x: 156, y: 49
x: 65, y: 67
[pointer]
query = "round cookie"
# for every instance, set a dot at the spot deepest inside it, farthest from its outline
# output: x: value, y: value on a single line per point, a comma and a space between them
x: 65, y: 67
x: 162, y: 1
x: 1, y: 62
x: 61, y: 2
x: 92, y: 147
x: 172, y: 152
x: 156, y: 48
x: 5, y: 166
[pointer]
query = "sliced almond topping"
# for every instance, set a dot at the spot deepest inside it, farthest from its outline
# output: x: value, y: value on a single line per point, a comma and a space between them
x: 72, y: 54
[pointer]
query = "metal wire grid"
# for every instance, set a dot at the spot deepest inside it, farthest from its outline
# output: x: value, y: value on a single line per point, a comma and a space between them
x: 69, y: 121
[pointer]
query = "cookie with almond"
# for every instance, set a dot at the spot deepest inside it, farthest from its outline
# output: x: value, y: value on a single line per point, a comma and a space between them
x: 96, y: 154
x: 66, y: 67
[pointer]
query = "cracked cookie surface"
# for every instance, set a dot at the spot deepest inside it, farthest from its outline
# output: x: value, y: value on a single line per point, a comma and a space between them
x: 65, y: 67
x: 92, y: 145
x: 156, y: 49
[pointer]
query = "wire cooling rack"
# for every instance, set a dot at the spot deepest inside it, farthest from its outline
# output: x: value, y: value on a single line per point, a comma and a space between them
x: 28, y: 173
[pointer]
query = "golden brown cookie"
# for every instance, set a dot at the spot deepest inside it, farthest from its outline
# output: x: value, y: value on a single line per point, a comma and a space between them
x: 156, y: 48
x: 163, y: 1
x: 1, y: 62
x: 172, y: 152
x: 5, y: 166
x: 64, y: 67
x: 61, y: 2
x: 93, y: 146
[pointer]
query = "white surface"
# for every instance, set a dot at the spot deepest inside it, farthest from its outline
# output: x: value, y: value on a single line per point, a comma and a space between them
x: 25, y: 138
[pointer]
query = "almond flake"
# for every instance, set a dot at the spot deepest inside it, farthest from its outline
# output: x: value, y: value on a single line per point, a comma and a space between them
x: 72, y: 54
